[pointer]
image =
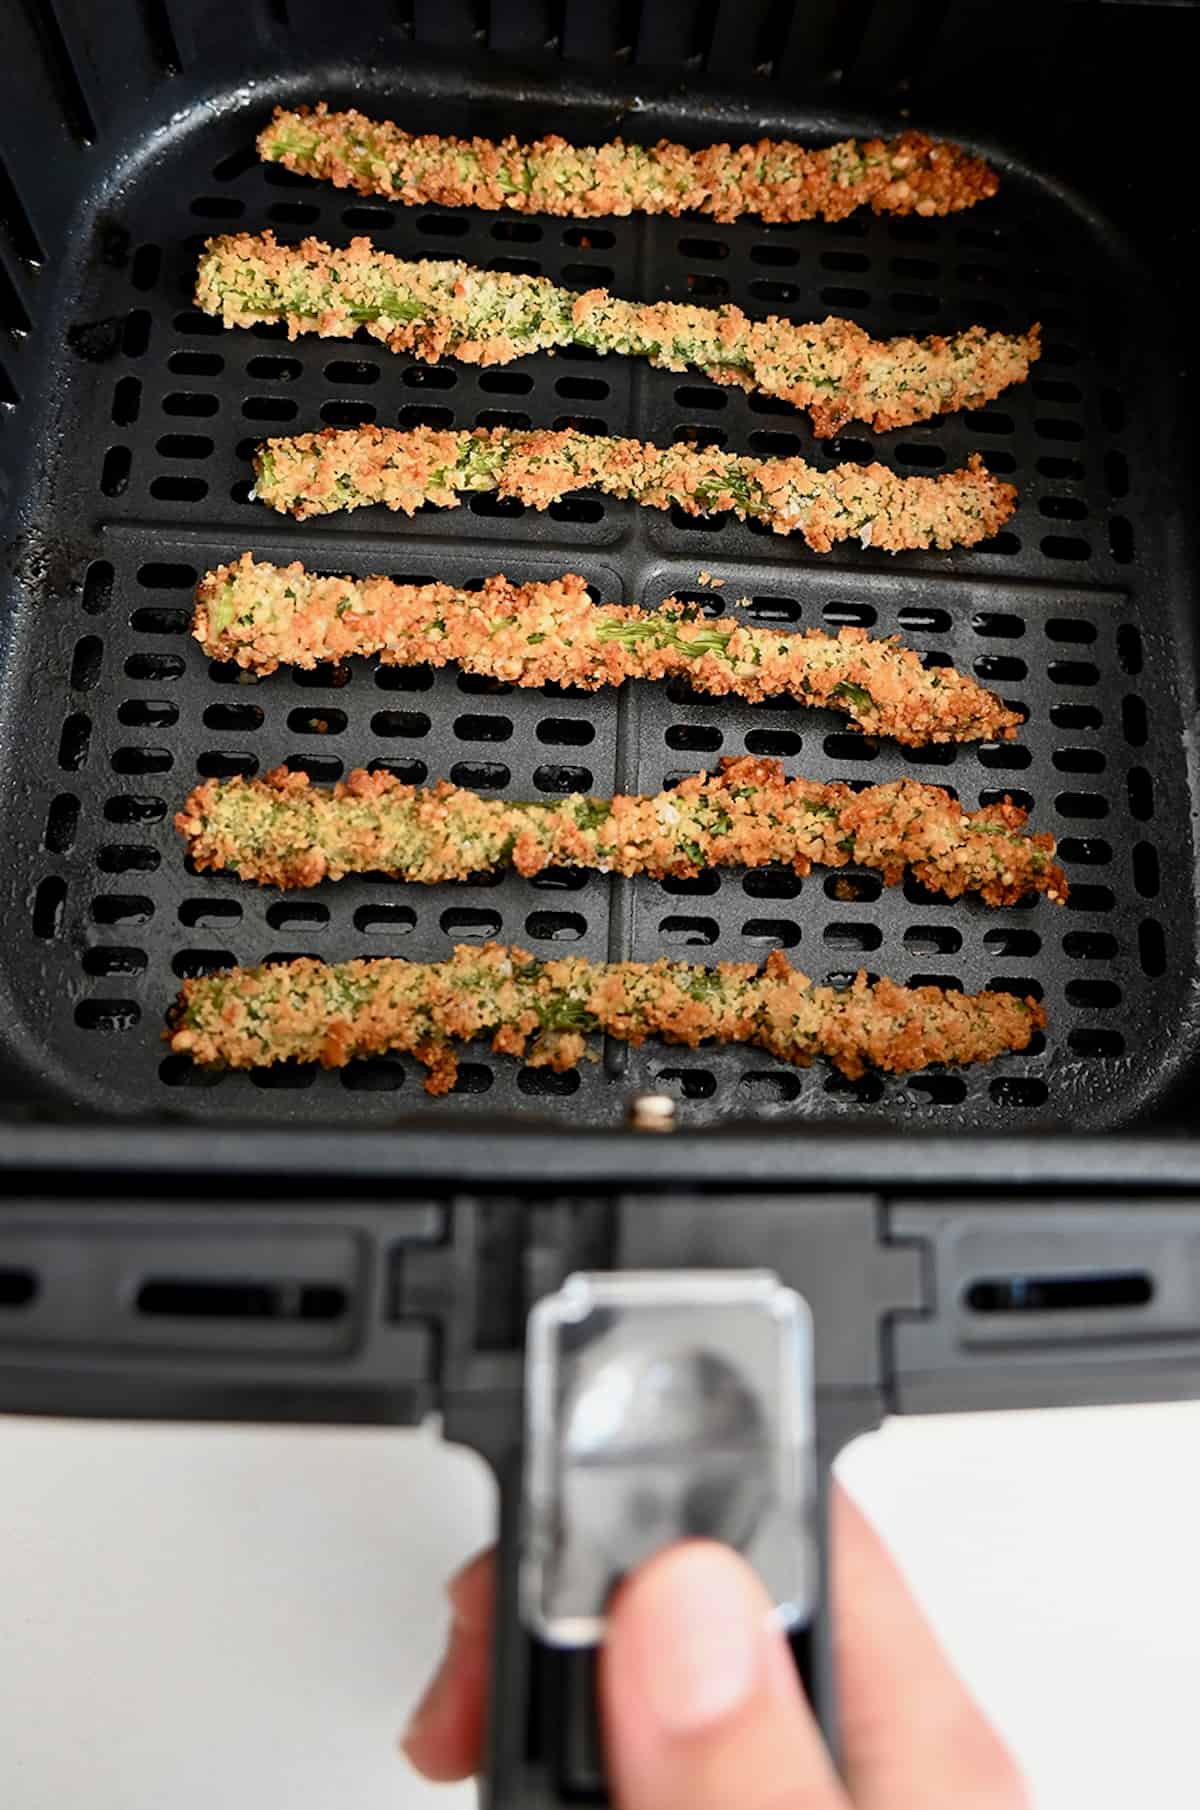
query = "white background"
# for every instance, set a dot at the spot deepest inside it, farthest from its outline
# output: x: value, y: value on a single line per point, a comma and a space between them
x: 200, y: 1616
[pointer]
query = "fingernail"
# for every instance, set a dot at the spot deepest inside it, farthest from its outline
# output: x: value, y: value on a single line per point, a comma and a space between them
x: 700, y: 1636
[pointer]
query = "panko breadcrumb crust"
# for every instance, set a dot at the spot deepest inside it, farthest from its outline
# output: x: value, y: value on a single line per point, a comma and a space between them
x: 262, y: 616
x: 283, y: 831
x: 832, y: 368
x: 776, y: 179
x: 406, y: 468
x: 305, y: 1011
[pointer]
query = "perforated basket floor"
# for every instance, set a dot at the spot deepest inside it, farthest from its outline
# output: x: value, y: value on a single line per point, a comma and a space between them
x: 113, y: 713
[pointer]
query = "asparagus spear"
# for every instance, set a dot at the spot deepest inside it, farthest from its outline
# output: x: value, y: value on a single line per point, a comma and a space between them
x: 303, y: 1011
x: 282, y: 831
x: 834, y: 369
x: 350, y: 468
x: 776, y: 179
x: 263, y: 616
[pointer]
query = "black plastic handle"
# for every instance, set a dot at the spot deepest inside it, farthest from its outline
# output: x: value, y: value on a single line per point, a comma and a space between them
x: 545, y: 1746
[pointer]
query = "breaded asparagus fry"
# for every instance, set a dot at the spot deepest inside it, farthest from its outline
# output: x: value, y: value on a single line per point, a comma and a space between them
x: 263, y: 616
x: 833, y: 369
x: 303, y: 1011
x: 282, y: 831
x: 776, y: 179
x: 350, y: 468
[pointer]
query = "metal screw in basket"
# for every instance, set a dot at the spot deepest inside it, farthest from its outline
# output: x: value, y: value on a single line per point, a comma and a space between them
x: 651, y: 1112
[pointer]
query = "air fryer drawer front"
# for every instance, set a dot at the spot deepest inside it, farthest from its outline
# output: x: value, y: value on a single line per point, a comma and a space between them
x: 353, y: 1307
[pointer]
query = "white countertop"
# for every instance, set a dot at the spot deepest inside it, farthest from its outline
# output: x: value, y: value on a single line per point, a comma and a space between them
x: 205, y: 1615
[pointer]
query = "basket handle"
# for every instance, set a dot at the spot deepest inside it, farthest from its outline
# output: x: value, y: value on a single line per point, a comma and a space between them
x: 545, y: 1746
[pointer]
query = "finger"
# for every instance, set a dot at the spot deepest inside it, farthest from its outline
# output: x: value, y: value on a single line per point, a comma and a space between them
x: 444, y: 1736
x: 701, y: 1701
x: 911, y: 1731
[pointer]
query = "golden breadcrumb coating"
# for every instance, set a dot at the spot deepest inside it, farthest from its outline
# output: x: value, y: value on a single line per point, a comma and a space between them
x: 775, y: 179
x: 263, y: 616
x: 304, y: 1011
x: 404, y: 469
x: 832, y: 368
x: 283, y: 831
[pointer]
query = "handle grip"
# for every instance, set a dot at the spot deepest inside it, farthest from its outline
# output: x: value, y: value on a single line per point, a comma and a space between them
x: 545, y: 1746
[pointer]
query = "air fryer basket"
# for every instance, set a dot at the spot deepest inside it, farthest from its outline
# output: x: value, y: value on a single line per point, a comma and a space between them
x: 138, y: 422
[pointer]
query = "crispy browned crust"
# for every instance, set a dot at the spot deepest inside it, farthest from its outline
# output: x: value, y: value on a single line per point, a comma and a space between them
x: 263, y: 616
x: 832, y: 368
x: 284, y: 832
x: 304, y: 1011
x: 404, y: 469
x: 776, y: 179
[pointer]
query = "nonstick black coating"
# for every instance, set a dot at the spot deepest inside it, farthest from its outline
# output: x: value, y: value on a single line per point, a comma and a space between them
x: 110, y: 712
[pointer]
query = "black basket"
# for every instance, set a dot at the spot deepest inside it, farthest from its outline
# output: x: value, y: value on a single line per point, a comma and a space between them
x: 142, y: 413
x: 366, y: 1262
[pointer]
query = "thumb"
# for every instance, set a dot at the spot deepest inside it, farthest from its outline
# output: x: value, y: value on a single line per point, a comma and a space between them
x: 702, y: 1705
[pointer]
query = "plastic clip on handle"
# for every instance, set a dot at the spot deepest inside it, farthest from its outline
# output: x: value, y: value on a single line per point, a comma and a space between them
x: 658, y: 1405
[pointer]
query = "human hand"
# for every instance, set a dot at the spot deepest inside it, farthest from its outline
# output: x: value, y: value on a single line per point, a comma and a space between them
x: 702, y: 1706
